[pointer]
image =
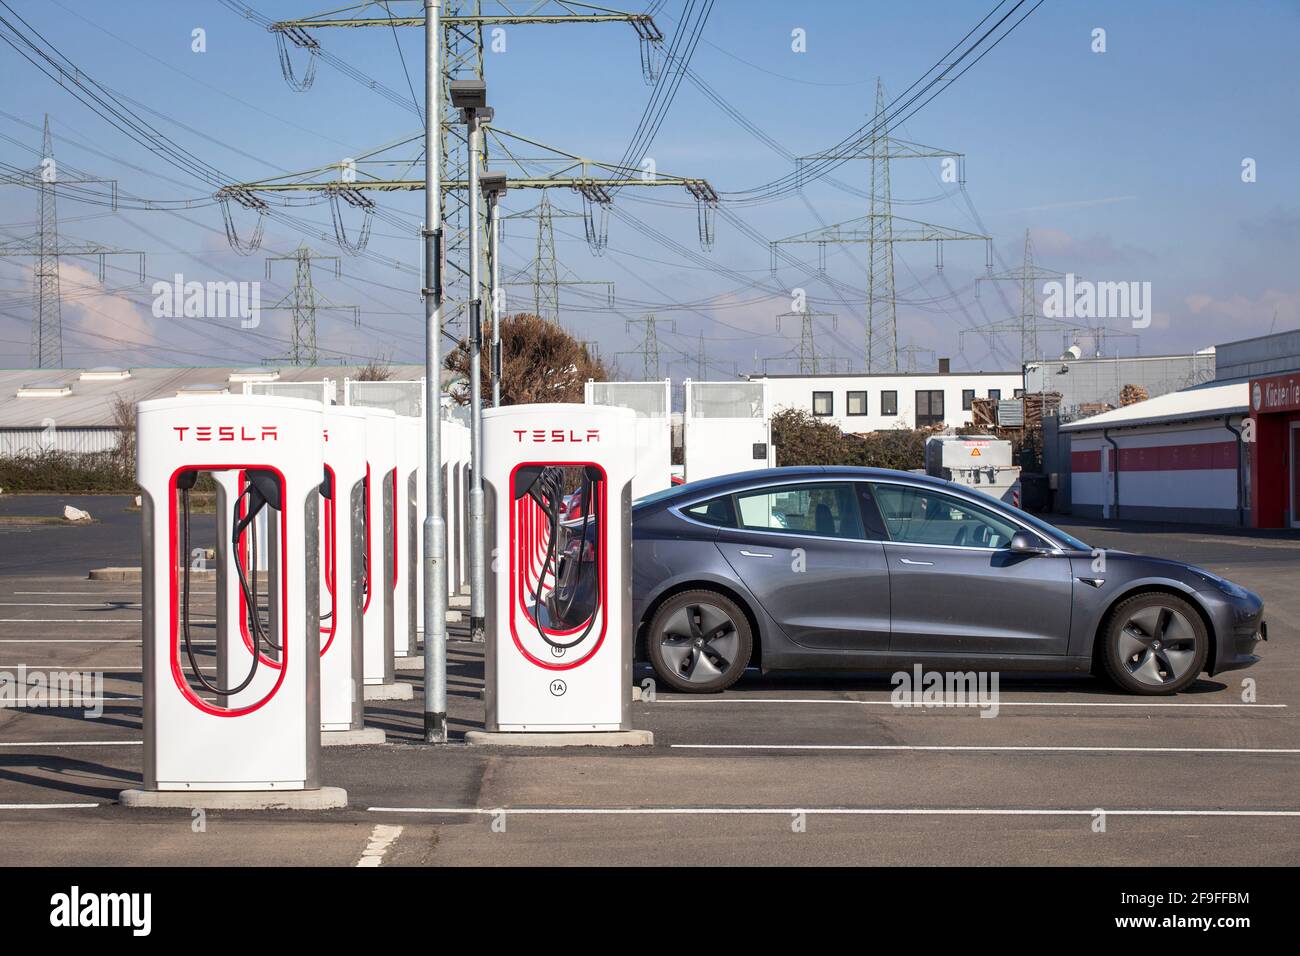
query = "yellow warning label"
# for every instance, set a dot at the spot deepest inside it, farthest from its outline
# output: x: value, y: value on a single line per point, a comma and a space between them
x: 975, y: 453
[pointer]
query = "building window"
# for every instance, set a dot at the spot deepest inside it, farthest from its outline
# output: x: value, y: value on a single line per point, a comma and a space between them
x: 889, y: 403
x: 929, y: 408
x: 856, y: 403
x: 995, y: 394
x: 1019, y: 393
x: 967, y: 397
x: 823, y: 403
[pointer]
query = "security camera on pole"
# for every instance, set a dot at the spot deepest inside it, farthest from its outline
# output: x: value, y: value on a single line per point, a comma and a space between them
x: 470, y: 97
x: 494, y: 187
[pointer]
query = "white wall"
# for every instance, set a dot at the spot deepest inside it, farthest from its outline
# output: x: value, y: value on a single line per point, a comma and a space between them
x: 797, y: 392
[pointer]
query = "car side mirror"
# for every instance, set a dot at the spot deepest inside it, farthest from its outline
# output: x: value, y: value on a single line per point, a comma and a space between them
x: 1022, y: 542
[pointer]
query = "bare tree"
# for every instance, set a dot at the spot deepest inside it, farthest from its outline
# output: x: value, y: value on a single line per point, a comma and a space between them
x: 540, y: 362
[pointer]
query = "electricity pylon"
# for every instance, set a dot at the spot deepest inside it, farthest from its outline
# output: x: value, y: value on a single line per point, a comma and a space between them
x: 45, y: 247
x: 304, y: 302
x: 701, y: 363
x: 909, y: 352
x: 463, y: 23
x: 880, y: 229
x: 545, y: 268
x: 805, y: 353
x: 1031, y: 321
x: 649, y: 350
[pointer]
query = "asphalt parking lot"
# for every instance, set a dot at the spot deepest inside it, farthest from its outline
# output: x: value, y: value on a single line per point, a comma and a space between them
x: 810, y: 770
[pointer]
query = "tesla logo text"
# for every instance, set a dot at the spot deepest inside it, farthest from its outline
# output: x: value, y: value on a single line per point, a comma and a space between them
x: 228, y: 432
x: 556, y: 435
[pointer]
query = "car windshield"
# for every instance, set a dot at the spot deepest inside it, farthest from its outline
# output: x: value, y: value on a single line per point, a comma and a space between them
x: 1069, y: 540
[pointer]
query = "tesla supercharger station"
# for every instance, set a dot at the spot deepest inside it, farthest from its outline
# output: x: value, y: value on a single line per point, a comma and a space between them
x: 559, y: 625
x: 409, y: 432
x: 259, y: 729
x: 377, y: 597
x: 455, y: 466
x: 343, y: 543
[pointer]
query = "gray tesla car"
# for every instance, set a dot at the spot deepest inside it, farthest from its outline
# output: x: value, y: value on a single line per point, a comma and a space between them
x: 822, y: 568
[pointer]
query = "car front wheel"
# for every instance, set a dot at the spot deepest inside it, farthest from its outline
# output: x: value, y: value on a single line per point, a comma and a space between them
x: 699, y: 642
x: 1155, y: 643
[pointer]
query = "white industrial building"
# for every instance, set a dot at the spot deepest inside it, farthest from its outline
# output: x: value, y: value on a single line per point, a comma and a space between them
x: 73, y: 410
x: 879, y: 401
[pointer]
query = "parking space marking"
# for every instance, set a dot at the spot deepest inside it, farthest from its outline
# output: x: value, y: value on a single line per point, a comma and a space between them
x: 129, y: 605
x: 63, y: 702
x: 69, y: 620
x: 80, y: 640
x: 937, y: 706
x: 836, y: 811
x: 48, y: 806
x: 382, y: 838
x: 982, y: 748
x: 75, y: 743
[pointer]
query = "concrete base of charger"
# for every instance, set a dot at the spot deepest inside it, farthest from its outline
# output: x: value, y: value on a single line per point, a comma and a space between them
x: 394, y: 691
x: 352, y: 738
x: 589, y: 738
x: 326, y: 798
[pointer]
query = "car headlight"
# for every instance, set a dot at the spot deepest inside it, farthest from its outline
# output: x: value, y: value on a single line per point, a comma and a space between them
x: 1223, y: 584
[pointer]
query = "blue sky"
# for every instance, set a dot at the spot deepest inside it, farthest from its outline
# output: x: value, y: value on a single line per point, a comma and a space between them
x: 1124, y: 166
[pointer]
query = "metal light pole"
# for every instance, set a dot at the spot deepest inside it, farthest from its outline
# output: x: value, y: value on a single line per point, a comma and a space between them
x: 494, y: 187
x: 470, y: 96
x: 434, y: 565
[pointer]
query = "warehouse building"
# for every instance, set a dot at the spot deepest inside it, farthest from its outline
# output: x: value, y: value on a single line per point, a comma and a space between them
x: 879, y: 401
x: 1226, y: 452
x: 1086, y: 383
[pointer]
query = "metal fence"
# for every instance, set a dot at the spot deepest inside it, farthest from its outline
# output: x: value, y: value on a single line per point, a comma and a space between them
x: 404, y: 398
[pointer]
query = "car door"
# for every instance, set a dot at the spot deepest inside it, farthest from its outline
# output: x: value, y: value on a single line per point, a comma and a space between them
x: 954, y: 586
x: 801, y: 550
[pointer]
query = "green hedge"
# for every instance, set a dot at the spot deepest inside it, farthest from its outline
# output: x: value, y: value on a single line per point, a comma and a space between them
x: 803, y: 440
x: 60, y: 472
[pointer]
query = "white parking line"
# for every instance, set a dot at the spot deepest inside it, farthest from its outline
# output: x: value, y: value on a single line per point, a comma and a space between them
x: 129, y: 605
x: 382, y: 838
x: 992, y: 748
x: 70, y: 702
x: 75, y: 743
x: 833, y: 811
x: 78, y: 640
x: 936, y: 706
x: 69, y: 620
x: 48, y: 806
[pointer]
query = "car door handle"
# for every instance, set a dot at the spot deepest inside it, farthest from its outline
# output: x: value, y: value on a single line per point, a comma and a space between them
x: 754, y: 554
x: 928, y: 564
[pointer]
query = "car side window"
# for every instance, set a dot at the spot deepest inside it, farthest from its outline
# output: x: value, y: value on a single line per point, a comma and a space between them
x: 923, y: 516
x: 717, y: 511
x: 829, y: 510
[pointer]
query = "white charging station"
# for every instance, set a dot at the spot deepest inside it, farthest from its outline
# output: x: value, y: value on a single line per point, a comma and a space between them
x: 559, y: 625
x: 204, y: 732
x: 408, y: 433
x: 377, y: 595
x: 343, y: 541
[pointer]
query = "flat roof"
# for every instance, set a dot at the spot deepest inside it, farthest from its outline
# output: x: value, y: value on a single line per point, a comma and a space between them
x: 1207, y: 401
x: 934, y: 374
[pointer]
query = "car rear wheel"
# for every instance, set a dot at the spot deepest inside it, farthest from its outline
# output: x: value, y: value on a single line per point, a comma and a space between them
x: 1155, y: 643
x: 699, y: 642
